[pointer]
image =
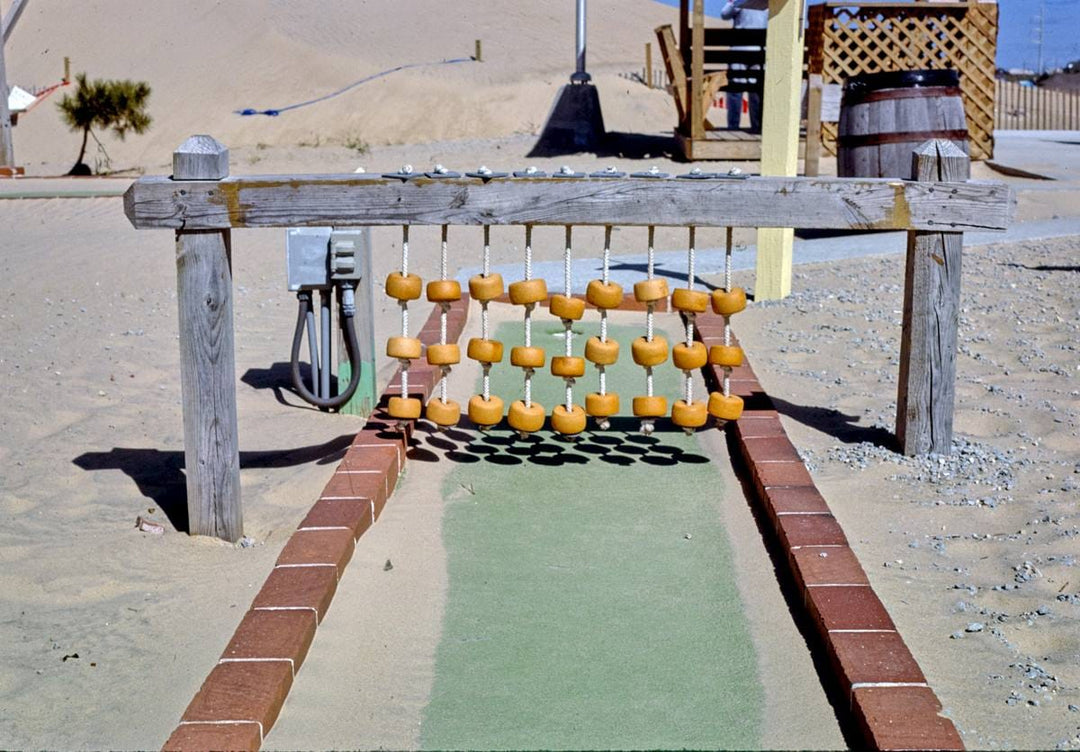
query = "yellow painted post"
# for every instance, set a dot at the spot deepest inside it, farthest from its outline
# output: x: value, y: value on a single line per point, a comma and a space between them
x: 780, y: 137
x: 697, y: 73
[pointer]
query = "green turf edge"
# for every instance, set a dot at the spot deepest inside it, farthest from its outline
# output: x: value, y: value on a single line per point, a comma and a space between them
x: 579, y: 613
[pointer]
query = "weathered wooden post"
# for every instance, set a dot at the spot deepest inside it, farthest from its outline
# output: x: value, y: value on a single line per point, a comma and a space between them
x: 927, y: 388
x: 207, y: 361
x: 695, y: 129
x: 814, y: 94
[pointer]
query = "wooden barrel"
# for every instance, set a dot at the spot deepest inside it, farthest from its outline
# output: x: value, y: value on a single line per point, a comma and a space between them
x: 885, y: 116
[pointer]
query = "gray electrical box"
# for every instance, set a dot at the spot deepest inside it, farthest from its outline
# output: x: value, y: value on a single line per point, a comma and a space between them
x: 322, y: 258
x: 319, y: 256
x: 307, y: 253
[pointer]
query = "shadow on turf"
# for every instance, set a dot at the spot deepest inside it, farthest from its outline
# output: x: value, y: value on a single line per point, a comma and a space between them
x: 620, y: 445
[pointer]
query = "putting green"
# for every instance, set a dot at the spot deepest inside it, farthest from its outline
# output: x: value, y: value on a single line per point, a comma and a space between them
x: 591, y: 596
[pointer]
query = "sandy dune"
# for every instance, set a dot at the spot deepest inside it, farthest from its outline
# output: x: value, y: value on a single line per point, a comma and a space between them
x: 205, y: 61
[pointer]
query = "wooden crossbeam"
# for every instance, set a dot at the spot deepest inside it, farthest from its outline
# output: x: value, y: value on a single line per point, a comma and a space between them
x: 315, y: 200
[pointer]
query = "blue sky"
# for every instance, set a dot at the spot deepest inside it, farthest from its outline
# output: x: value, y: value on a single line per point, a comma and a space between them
x: 1016, y: 40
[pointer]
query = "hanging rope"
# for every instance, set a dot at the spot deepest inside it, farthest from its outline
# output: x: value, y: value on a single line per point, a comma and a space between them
x: 275, y: 111
x: 484, y: 312
x: 444, y: 310
x: 568, y: 349
x: 404, y: 309
x: 727, y: 319
x: 528, y: 314
x: 605, y: 277
x: 688, y: 381
x: 649, y: 316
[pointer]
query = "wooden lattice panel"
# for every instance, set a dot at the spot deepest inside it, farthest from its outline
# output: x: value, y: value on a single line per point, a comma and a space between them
x: 846, y: 40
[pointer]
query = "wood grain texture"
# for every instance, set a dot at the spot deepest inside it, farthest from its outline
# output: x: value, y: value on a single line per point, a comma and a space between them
x: 814, y: 92
x: 673, y: 63
x: 352, y: 200
x: 878, y: 133
x: 208, y: 384
x: 201, y: 158
x: 927, y: 384
x: 648, y: 65
x: 722, y: 144
x: 697, y: 71
x: 207, y: 359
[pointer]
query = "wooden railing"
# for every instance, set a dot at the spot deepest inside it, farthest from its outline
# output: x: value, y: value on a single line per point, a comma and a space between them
x: 1029, y: 108
x: 202, y: 203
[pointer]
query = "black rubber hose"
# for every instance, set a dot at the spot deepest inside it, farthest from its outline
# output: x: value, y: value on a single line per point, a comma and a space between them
x: 352, y: 347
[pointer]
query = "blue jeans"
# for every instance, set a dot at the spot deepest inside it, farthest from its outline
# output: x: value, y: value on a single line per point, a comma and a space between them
x: 734, y: 110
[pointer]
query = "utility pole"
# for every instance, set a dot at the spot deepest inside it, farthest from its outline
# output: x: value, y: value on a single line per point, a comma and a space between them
x: 1040, y: 35
x: 580, y: 76
x: 575, y: 122
x: 7, y: 151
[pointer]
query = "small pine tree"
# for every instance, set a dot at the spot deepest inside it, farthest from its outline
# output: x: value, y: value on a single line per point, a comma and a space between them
x: 103, y: 104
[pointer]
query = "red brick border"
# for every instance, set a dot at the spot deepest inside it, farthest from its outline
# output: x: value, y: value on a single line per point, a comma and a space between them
x: 890, y: 703
x: 241, y: 698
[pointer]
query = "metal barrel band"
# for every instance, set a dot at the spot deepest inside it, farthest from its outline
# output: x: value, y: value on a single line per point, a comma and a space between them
x: 881, y: 95
x: 918, y: 137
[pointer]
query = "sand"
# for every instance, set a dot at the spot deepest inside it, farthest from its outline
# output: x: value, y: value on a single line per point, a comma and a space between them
x: 205, y: 61
x: 90, y: 432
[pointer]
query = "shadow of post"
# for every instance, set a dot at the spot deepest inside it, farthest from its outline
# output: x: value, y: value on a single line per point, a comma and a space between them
x: 278, y: 379
x: 159, y: 474
x: 840, y: 426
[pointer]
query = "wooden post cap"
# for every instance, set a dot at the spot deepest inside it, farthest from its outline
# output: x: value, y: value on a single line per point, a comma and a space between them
x: 201, y: 158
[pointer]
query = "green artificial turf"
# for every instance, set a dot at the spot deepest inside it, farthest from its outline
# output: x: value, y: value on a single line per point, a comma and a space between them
x: 592, y: 601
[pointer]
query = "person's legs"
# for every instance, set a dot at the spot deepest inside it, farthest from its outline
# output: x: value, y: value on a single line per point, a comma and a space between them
x: 734, y: 109
x: 755, y: 111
